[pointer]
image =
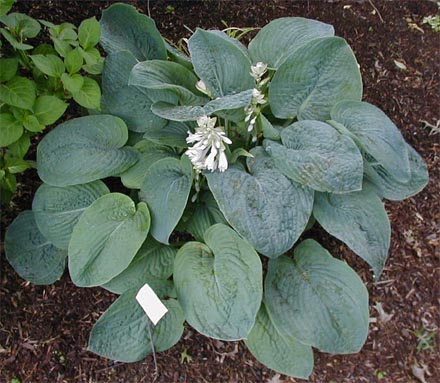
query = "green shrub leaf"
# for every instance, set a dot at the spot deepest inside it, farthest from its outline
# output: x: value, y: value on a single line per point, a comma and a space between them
x: 123, y: 28
x: 131, y: 103
x: 123, y: 331
x: 279, y: 352
x: 219, y: 285
x: 316, y: 155
x: 50, y: 65
x: 165, y: 189
x: 89, y: 96
x: 19, y: 92
x: 72, y: 83
x: 377, y: 135
x: 57, y: 209
x: 314, y: 78
x: 265, y: 207
x: 32, y: 124
x: 5, y: 6
x: 84, y: 149
x: 106, y: 238
x: 274, y: 43
x: 318, y: 300
x: 49, y: 109
x: 10, y: 129
x: 73, y: 61
x: 30, y: 254
x: 89, y: 33
x: 22, y: 25
x: 153, y: 261
x: 220, y: 64
x: 360, y: 221
x: 386, y: 186
x: 8, y: 68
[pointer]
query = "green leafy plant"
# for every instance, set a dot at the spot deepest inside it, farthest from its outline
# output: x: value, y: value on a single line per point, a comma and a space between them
x: 240, y: 150
x: 425, y: 338
x: 433, y: 21
x: 36, y: 82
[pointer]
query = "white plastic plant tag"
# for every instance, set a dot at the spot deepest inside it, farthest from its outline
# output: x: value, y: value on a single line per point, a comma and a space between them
x: 151, y: 303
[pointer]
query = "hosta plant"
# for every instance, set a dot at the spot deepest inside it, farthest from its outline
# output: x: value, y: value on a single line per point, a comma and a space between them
x: 227, y: 156
x: 36, y: 82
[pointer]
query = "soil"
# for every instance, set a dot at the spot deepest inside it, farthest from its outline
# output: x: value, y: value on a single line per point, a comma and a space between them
x: 44, y: 329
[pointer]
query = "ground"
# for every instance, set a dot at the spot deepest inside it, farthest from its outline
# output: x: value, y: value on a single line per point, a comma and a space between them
x: 44, y: 329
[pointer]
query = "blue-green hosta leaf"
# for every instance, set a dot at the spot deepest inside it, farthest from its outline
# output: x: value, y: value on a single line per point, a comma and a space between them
x: 153, y: 261
x: 57, y: 209
x: 220, y: 64
x: 106, y: 238
x: 149, y: 154
x: 386, y: 186
x: 316, y: 155
x: 314, y: 78
x: 177, y: 56
x: 318, y: 300
x: 131, y: 103
x: 377, y: 135
x: 123, y: 28
x: 360, y: 221
x: 281, y: 37
x: 123, y: 331
x: 167, y: 76
x: 172, y: 134
x: 30, y: 254
x: 192, y: 113
x: 265, y: 207
x: 165, y: 189
x: 205, y: 214
x: 83, y: 150
x: 279, y: 352
x: 219, y: 285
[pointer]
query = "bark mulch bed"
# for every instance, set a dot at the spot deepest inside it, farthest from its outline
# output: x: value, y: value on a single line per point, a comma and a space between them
x: 44, y: 329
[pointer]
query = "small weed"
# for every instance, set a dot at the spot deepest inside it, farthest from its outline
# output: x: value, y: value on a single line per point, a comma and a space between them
x: 60, y: 356
x: 185, y: 357
x: 169, y: 9
x: 380, y: 374
x: 425, y: 339
x: 15, y: 380
x: 433, y: 21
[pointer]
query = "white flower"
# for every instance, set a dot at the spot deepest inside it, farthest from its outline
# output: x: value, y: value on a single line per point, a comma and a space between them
x: 208, y: 151
x: 258, y: 70
x: 258, y: 97
x: 201, y: 86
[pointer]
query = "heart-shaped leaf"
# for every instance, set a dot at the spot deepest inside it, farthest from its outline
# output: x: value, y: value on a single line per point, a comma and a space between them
x: 314, y: 78
x: 360, y: 221
x: 30, y: 254
x: 165, y: 189
x: 316, y: 155
x: 318, y: 300
x: 84, y: 149
x: 219, y: 285
x: 125, y: 333
x: 106, y: 238
x: 265, y: 207
x: 57, y: 209
x: 279, y: 352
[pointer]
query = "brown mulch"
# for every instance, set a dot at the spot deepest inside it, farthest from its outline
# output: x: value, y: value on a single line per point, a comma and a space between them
x: 44, y: 329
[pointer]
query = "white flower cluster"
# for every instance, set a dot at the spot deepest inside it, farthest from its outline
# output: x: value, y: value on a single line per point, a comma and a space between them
x: 208, y: 151
x: 257, y: 72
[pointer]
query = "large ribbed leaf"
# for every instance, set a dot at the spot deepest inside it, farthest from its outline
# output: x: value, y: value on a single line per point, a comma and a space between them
x: 316, y: 155
x: 57, y: 209
x: 220, y: 64
x: 84, y: 149
x: 360, y: 221
x: 219, y: 285
x: 30, y: 254
x: 106, y: 238
x: 265, y: 207
x: 191, y: 113
x: 173, y: 134
x: 318, y: 300
x: 153, y: 261
x: 149, y: 154
x: 314, y: 78
x: 167, y: 76
x: 123, y: 28
x: 131, y: 103
x: 125, y: 333
x: 377, y: 134
x: 386, y: 186
x: 279, y: 352
x: 278, y: 39
x: 205, y: 214
x: 165, y: 189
